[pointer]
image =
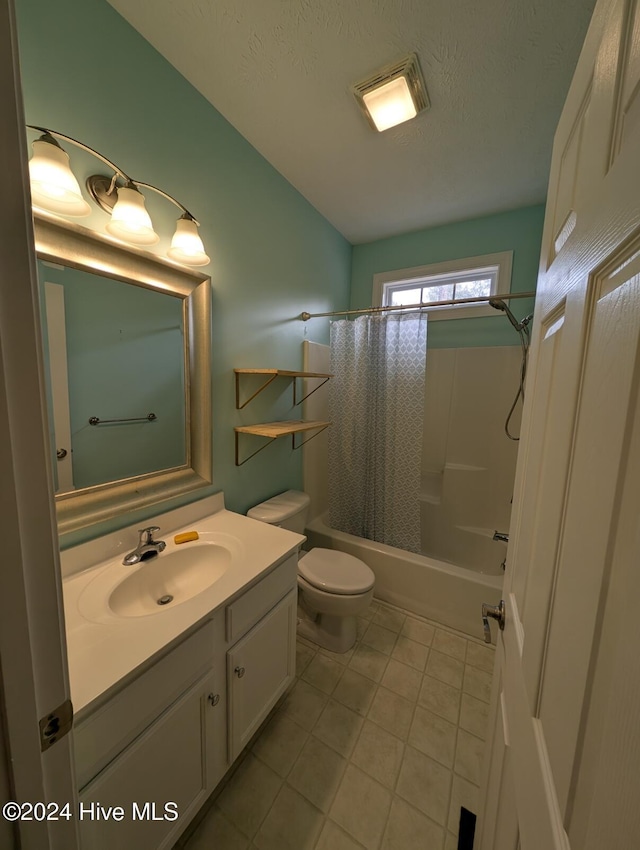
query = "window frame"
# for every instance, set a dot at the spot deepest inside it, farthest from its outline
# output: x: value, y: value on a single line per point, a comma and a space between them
x: 444, y: 273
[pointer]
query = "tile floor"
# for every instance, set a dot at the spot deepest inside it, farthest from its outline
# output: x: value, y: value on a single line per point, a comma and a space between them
x: 376, y: 748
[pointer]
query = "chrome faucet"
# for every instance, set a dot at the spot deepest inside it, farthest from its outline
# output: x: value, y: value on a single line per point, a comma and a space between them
x: 501, y: 535
x: 147, y: 547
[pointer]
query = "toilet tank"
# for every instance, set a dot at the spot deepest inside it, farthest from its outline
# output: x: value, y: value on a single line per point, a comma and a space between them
x: 288, y: 510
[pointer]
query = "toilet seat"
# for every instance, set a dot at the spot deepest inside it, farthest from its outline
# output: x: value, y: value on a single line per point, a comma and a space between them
x: 335, y: 572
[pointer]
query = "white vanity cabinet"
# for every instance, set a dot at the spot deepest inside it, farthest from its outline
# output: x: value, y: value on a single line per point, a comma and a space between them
x: 160, y: 780
x: 168, y: 736
x: 261, y: 626
x: 260, y: 667
x: 160, y: 740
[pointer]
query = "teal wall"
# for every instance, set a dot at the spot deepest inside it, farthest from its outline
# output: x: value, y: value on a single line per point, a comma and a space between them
x: 88, y: 74
x: 519, y: 231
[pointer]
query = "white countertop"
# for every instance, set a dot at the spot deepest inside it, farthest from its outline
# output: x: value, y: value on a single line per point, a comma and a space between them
x: 100, y: 654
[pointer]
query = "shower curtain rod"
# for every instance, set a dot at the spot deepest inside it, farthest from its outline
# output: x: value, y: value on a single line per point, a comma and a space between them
x: 451, y: 302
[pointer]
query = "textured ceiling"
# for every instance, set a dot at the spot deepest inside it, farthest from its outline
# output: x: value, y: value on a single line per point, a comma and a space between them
x: 497, y: 72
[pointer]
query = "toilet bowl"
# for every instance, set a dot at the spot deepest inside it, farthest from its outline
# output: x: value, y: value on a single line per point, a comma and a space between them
x: 333, y: 587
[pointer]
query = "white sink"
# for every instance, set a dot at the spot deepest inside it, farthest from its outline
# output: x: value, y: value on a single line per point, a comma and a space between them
x: 169, y: 579
x: 161, y: 583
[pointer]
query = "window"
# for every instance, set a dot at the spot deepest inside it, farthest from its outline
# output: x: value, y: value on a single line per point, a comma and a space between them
x: 473, y: 277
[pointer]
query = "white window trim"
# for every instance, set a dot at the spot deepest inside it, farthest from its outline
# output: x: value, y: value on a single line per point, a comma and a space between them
x: 503, y: 261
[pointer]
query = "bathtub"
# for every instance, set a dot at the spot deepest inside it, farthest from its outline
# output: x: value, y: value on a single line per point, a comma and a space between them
x: 444, y: 592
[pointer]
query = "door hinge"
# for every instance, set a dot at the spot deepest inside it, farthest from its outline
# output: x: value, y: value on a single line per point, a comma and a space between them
x: 55, y: 725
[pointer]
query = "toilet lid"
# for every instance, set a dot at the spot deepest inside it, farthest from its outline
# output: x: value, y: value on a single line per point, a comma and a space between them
x: 335, y: 572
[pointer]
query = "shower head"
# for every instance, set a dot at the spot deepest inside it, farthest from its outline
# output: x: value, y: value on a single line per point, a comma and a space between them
x: 498, y: 304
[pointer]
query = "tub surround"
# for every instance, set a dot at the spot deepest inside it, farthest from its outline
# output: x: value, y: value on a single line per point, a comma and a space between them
x: 103, y: 654
x: 468, y: 463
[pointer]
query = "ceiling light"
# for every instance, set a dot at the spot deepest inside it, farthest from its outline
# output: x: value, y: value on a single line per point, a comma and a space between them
x: 53, y: 186
x: 186, y: 245
x: 390, y: 104
x: 393, y: 95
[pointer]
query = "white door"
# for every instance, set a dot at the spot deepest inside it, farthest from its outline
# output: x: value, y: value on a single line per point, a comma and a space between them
x: 33, y: 665
x: 563, y: 761
x: 59, y: 377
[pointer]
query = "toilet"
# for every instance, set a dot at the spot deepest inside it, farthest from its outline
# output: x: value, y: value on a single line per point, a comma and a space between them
x: 333, y: 587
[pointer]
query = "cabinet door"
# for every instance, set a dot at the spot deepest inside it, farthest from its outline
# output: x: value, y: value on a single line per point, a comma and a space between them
x: 101, y: 736
x: 172, y: 762
x: 259, y: 669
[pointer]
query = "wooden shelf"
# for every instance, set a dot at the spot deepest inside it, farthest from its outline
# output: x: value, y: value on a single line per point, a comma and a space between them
x: 271, y: 375
x: 286, y: 372
x: 273, y: 430
x: 281, y: 429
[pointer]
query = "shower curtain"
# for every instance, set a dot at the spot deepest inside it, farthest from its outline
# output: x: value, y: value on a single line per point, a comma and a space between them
x: 376, y: 403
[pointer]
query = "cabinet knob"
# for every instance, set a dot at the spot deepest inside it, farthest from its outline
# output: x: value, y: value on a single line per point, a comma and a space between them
x: 239, y: 671
x: 214, y: 699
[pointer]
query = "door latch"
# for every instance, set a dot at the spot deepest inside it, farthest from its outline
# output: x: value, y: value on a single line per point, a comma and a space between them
x: 55, y: 725
x: 496, y: 612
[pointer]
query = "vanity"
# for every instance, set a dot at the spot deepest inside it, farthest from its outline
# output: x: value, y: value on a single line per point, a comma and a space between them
x: 166, y: 696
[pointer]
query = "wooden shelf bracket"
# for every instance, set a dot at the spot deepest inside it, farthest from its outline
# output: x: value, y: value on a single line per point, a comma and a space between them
x: 253, y: 454
x: 269, y: 380
x: 271, y: 375
x: 297, y: 401
x: 308, y: 440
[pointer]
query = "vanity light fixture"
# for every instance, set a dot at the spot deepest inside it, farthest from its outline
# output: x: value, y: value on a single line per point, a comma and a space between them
x: 394, y: 94
x: 130, y: 220
x: 55, y: 189
x: 53, y: 186
x: 186, y: 245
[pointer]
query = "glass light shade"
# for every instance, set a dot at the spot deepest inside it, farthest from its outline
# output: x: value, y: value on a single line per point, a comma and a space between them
x: 390, y: 104
x: 53, y: 186
x: 186, y: 245
x: 130, y: 220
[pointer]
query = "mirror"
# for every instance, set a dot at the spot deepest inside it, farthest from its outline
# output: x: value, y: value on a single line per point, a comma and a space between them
x: 116, y: 377
x: 127, y: 349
